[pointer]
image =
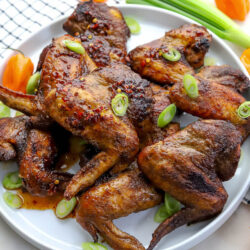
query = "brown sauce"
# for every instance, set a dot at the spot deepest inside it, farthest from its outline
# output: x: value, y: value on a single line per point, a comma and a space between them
x: 41, y: 203
x: 66, y: 161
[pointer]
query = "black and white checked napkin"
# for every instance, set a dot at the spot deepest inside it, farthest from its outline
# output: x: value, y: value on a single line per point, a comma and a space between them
x: 19, y: 18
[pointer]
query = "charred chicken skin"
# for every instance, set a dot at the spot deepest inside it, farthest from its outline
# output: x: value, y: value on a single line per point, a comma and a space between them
x: 190, y: 165
x: 81, y: 103
x: 127, y: 193
x: 102, y: 30
x: 191, y: 40
x: 227, y: 76
x: 215, y: 101
x: 36, y: 152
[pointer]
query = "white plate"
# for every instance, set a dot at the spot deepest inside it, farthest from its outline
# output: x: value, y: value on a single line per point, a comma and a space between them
x: 44, y: 230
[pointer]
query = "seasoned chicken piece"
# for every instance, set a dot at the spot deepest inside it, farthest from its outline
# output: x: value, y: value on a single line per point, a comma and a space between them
x: 191, y: 40
x: 215, y: 101
x: 82, y: 105
x: 102, y: 29
x: 148, y: 131
x: 127, y: 193
x: 13, y: 134
x: 190, y: 165
x: 37, y: 165
x: 36, y: 152
x: 226, y: 75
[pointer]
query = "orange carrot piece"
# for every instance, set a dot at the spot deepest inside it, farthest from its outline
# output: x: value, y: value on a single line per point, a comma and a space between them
x: 245, y: 59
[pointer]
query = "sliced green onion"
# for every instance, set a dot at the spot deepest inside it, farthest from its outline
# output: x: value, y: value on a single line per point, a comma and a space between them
x: 33, y: 83
x: 244, y: 110
x: 12, y: 200
x: 93, y: 246
x: 191, y: 86
x: 161, y: 214
x: 65, y: 207
x: 172, y: 205
x: 18, y: 113
x: 205, y: 14
x: 172, y: 55
x: 133, y: 25
x: 12, y: 180
x: 4, y: 110
x: 166, y: 116
x: 74, y: 46
x: 209, y: 61
x: 119, y: 104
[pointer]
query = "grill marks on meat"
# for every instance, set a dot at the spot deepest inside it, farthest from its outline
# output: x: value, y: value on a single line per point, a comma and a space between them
x: 102, y: 29
x: 191, y: 40
x: 127, y: 193
x: 190, y: 165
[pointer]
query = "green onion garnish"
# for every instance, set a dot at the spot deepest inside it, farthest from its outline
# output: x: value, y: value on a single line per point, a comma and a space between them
x: 133, y: 25
x: 119, y: 104
x: 172, y: 55
x: 209, y: 61
x: 12, y: 180
x: 205, y: 14
x: 161, y: 214
x: 4, y: 110
x: 65, y: 207
x: 191, y: 86
x: 33, y: 83
x: 18, y: 113
x: 170, y: 207
x: 74, y: 46
x: 244, y: 110
x: 93, y: 246
x: 166, y: 116
x: 12, y: 200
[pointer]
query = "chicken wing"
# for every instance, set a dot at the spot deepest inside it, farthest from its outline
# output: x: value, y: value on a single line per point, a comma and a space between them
x: 127, y: 193
x: 191, y: 40
x: 190, y: 165
x: 226, y: 75
x: 102, y: 30
x: 215, y: 101
x: 36, y: 152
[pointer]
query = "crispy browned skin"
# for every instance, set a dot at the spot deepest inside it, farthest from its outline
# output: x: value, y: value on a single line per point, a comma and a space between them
x: 148, y: 131
x: 37, y: 165
x: 215, y: 101
x: 191, y: 40
x: 36, y: 153
x: 190, y: 165
x: 102, y: 29
x: 13, y: 134
x: 129, y: 192
x: 226, y: 75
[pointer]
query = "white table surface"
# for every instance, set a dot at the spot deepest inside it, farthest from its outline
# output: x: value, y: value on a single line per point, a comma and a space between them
x: 233, y: 235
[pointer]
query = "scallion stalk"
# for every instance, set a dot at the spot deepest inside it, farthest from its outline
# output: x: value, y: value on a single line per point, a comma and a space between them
x: 205, y: 14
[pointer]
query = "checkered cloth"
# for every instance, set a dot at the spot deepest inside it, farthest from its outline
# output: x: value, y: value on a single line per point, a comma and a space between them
x: 19, y: 18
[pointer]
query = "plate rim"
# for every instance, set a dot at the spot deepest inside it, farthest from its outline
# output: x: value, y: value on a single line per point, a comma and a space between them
x: 218, y: 221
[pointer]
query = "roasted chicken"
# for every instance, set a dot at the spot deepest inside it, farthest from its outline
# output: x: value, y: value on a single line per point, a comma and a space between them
x: 102, y: 30
x: 127, y: 193
x: 227, y: 76
x: 191, y: 40
x: 36, y: 153
x: 190, y: 166
x: 215, y: 101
